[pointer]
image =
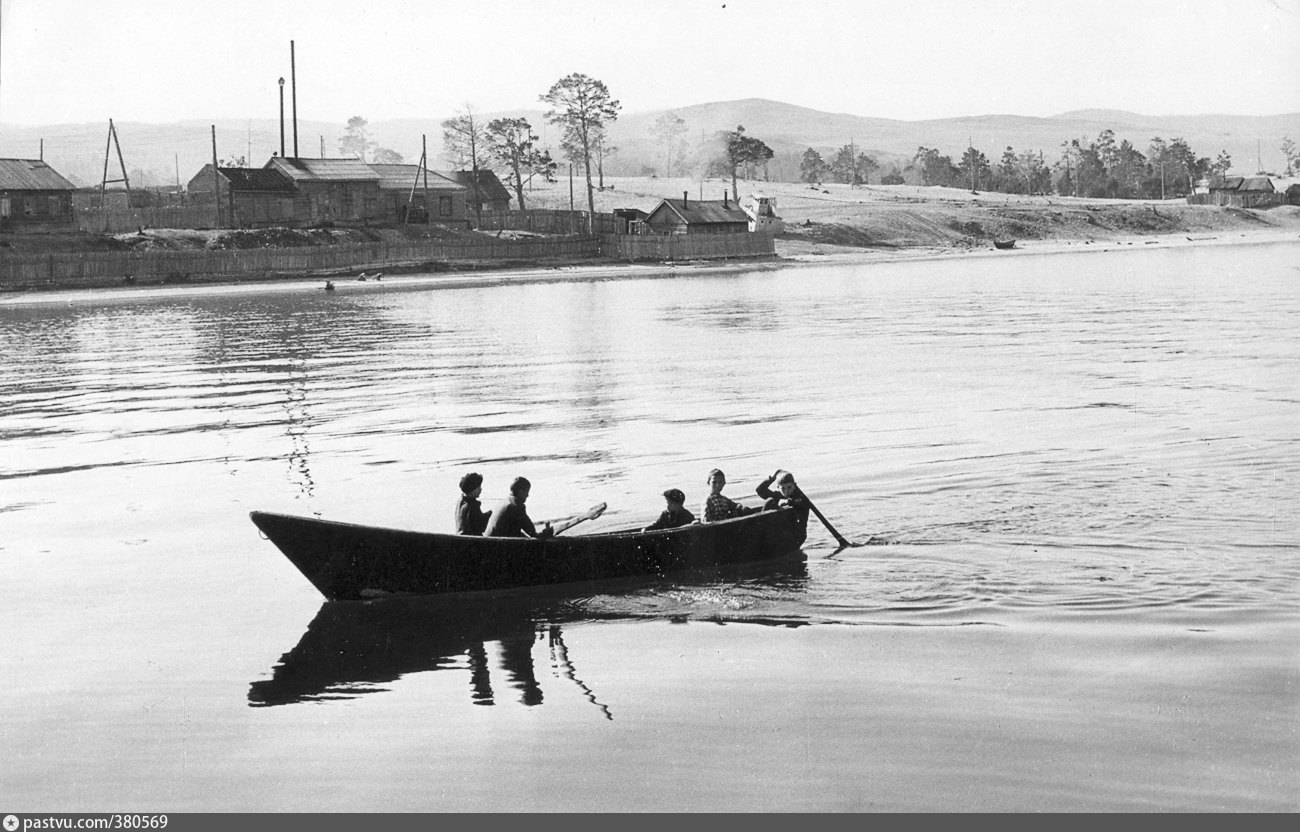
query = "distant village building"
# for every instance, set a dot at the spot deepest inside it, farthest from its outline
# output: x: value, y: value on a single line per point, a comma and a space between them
x: 1293, y: 194
x: 250, y: 197
x: 487, y: 190
x: 688, y: 216
x: 401, y: 186
x: 1239, y: 192
x: 34, y: 197
x: 342, y: 191
x: 761, y: 209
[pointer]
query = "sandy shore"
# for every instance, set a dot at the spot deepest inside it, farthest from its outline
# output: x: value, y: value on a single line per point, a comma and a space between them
x: 790, y: 253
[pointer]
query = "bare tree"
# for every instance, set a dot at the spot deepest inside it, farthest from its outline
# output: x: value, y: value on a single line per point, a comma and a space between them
x: 465, y: 140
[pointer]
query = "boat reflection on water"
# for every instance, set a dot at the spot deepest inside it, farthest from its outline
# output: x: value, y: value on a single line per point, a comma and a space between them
x: 354, y: 648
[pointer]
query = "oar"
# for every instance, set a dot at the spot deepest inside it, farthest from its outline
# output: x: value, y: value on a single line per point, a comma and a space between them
x: 590, y: 514
x: 839, y: 538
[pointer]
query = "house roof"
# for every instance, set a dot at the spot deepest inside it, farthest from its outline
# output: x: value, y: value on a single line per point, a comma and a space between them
x: 702, y: 212
x: 257, y: 179
x: 31, y: 175
x: 489, y: 187
x: 400, y: 177
x: 1254, y: 184
x: 329, y: 170
x: 1257, y: 183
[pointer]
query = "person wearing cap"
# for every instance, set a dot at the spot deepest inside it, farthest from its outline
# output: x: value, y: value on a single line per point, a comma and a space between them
x: 675, y: 515
x: 470, y: 517
x: 787, y: 494
x: 719, y: 507
x: 510, y: 519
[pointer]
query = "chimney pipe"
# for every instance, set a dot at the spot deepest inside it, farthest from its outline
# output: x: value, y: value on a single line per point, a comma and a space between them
x: 725, y: 202
x: 685, y: 196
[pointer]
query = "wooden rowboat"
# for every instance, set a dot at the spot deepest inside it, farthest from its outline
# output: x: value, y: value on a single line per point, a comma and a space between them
x: 1004, y: 243
x: 349, y: 561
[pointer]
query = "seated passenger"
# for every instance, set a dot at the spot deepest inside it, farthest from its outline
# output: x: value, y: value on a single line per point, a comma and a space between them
x: 511, y: 519
x: 718, y: 507
x: 470, y: 517
x: 788, y: 494
x: 675, y: 514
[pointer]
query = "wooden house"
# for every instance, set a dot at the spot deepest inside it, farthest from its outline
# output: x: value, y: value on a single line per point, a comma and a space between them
x: 34, y: 197
x: 1243, y: 192
x: 250, y: 197
x: 487, y: 190
x: 332, y: 191
x: 401, y: 186
x: 688, y: 216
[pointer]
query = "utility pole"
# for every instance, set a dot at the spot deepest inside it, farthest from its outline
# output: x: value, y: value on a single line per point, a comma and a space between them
x: 293, y: 79
x: 282, y: 117
x: 216, y: 177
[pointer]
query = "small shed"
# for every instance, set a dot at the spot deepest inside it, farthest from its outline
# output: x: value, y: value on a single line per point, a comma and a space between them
x: 448, y: 200
x: 486, y: 188
x: 1293, y: 194
x: 34, y: 197
x: 687, y: 216
x: 343, y: 191
x: 629, y: 221
x: 250, y: 197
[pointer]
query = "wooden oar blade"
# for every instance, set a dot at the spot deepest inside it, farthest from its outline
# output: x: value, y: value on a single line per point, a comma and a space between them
x: 590, y: 514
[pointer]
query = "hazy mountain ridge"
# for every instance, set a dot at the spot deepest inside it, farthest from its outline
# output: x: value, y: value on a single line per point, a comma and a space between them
x: 165, y: 152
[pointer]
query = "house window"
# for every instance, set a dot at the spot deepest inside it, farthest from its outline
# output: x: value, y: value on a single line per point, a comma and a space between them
x: 345, y: 201
x: 444, y: 206
x: 372, y: 206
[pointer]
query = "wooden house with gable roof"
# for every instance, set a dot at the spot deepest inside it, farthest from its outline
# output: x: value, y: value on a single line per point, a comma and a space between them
x: 687, y: 216
x: 333, y: 191
x: 403, y: 185
x: 1242, y: 192
x: 250, y: 197
x: 34, y: 197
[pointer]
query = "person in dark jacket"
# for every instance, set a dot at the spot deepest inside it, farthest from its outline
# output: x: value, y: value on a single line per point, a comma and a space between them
x: 510, y: 519
x: 675, y: 514
x: 470, y: 517
x: 787, y: 494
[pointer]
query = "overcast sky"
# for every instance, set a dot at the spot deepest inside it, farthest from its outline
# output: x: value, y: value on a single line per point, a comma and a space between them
x: 68, y: 61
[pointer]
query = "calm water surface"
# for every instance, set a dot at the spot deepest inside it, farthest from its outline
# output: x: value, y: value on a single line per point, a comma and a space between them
x: 1084, y: 468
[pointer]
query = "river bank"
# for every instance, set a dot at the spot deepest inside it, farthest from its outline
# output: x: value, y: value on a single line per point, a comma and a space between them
x: 788, y: 255
x: 827, y: 223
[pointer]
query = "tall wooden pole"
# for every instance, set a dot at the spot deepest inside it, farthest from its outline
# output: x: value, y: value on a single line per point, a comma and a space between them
x: 108, y: 147
x: 126, y: 180
x: 424, y: 163
x: 281, y: 118
x: 293, y: 79
x: 216, y: 177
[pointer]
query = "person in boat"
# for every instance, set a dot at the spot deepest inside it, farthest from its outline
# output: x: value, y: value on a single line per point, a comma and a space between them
x: 470, y: 517
x: 787, y: 495
x: 717, y: 506
x: 676, y: 514
x: 511, y: 519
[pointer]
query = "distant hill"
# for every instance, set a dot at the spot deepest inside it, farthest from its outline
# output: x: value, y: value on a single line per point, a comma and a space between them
x: 162, y: 153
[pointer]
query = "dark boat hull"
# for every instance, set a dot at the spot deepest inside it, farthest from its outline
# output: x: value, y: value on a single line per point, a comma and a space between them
x: 1004, y: 244
x: 348, y: 561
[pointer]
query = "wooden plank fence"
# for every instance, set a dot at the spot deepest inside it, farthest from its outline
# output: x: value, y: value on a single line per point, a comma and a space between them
x: 108, y: 268
x: 662, y: 247
x: 545, y: 221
